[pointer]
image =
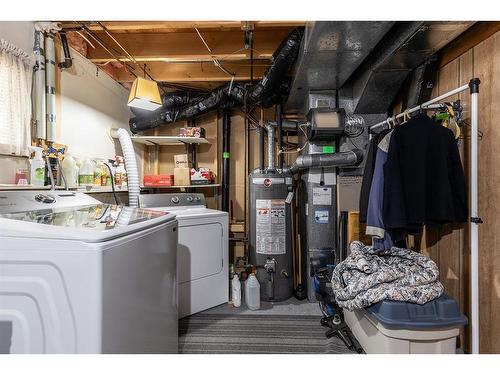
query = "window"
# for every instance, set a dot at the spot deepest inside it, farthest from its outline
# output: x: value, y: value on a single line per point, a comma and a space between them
x: 15, y: 99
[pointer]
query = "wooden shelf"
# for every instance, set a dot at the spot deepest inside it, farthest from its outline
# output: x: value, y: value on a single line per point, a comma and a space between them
x: 98, y: 189
x: 166, y: 140
x: 93, y: 189
x: 22, y: 187
x: 237, y: 227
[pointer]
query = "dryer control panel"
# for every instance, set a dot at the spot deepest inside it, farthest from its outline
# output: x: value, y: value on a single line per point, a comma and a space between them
x: 173, y: 200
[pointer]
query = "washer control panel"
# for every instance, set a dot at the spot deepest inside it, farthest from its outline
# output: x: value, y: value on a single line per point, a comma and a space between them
x: 172, y: 200
x: 31, y: 200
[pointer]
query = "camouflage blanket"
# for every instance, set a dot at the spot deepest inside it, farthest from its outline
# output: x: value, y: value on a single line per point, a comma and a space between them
x: 368, y: 276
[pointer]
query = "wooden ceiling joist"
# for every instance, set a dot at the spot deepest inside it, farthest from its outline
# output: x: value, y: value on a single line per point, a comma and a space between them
x: 174, y: 52
x: 182, y: 26
x: 188, y: 47
x: 191, y: 72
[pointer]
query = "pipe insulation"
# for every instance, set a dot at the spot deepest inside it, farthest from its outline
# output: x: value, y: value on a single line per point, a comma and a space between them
x: 339, y: 159
x: 39, y: 109
x: 50, y: 87
x: 267, y: 92
x: 134, y: 188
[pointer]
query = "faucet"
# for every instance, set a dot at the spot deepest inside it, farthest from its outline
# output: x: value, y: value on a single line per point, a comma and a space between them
x: 270, y: 267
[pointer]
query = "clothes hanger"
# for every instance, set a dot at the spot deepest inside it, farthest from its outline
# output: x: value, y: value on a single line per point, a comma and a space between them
x: 406, y: 116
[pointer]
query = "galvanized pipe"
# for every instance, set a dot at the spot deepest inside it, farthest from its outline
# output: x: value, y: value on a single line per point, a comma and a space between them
x: 279, y: 121
x: 270, y: 146
x: 339, y: 159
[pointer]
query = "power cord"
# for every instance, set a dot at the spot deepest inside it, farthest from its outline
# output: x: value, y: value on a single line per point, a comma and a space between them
x: 112, y: 182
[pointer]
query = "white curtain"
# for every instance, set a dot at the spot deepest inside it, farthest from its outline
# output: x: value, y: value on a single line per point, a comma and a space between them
x: 15, y: 99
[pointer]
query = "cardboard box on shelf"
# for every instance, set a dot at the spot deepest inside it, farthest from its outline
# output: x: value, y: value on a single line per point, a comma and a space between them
x: 181, y: 161
x: 158, y: 180
x: 201, y: 176
x: 194, y: 131
x: 182, y: 176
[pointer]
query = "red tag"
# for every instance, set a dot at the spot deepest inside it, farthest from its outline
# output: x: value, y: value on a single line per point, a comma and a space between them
x: 267, y: 182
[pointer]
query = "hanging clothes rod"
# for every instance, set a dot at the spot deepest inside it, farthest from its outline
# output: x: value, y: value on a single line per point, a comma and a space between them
x: 475, y: 220
x: 428, y: 104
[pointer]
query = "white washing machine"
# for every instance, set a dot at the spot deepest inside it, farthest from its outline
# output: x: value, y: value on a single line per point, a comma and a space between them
x: 203, y: 250
x: 79, y: 276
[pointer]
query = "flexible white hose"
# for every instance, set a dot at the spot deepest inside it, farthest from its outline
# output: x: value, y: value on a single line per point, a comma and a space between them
x: 134, y: 188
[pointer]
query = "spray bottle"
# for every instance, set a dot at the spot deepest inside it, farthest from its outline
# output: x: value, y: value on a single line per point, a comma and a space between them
x: 37, y: 169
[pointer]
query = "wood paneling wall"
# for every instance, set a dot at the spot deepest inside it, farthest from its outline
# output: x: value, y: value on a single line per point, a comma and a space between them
x: 449, y: 246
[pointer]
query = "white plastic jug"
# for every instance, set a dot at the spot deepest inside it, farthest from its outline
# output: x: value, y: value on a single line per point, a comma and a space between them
x: 252, y: 293
x: 236, y: 291
x: 70, y: 171
x: 86, y: 173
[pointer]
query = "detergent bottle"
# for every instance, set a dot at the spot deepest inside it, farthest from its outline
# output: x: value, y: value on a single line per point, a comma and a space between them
x: 37, y: 167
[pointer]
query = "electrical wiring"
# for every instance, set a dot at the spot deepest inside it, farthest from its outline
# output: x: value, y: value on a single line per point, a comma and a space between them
x: 86, y: 39
x: 215, y: 60
x: 301, y: 127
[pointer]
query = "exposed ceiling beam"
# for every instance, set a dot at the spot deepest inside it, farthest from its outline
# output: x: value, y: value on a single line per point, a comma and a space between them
x: 195, y: 72
x: 188, y: 47
x: 180, y: 26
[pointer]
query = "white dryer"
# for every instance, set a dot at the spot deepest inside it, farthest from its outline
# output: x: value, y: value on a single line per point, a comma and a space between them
x: 79, y: 276
x: 203, y: 249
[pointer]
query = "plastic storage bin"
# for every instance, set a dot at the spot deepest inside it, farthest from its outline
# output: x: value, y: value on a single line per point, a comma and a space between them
x: 391, y: 327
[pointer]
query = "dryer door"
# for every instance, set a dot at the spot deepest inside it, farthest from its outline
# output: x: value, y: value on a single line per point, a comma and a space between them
x: 202, y: 263
x: 199, y: 251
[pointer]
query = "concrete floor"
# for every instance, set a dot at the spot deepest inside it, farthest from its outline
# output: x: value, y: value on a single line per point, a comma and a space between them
x: 291, y: 306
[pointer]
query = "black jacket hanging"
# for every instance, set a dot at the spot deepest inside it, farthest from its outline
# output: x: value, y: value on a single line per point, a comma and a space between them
x: 424, y: 178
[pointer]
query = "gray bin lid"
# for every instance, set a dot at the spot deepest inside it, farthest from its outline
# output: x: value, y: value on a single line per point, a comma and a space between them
x: 439, y: 313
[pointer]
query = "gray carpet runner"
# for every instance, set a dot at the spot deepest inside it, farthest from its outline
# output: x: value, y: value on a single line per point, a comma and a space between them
x: 255, y: 334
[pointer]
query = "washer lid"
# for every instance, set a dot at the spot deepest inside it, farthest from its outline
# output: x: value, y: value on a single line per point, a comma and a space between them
x: 90, y: 223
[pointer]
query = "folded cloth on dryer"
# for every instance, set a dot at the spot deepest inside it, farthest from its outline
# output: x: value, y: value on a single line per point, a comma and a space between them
x: 368, y: 276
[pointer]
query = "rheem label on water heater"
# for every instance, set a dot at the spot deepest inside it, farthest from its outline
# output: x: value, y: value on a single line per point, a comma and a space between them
x: 270, y: 226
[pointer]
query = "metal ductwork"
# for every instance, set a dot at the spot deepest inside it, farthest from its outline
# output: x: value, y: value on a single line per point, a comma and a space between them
x: 365, y: 63
x: 339, y: 159
x: 375, y: 84
x: 267, y: 92
x: 329, y: 54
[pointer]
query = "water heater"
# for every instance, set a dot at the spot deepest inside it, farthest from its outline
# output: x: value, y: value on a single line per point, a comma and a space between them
x: 271, y: 233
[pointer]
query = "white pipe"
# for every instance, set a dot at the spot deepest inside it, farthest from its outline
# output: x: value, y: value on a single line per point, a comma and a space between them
x: 134, y: 188
x: 426, y: 104
x: 39, y: 86
x: 50, y: 86
x: 474, y: 229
